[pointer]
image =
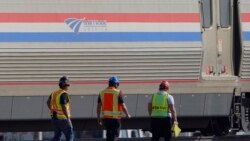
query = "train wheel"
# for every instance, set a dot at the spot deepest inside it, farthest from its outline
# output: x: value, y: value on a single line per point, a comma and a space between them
x: 208, y: 131
x: 221, y: 126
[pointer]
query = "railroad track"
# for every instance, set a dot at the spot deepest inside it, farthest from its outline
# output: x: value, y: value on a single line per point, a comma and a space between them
x: 226, y: 138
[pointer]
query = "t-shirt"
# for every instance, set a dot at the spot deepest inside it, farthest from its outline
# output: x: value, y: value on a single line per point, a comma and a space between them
x: 64, y: 99
x: 120, y: 98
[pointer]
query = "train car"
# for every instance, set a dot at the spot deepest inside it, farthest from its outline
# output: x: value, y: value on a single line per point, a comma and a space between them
x: 200, y: 47
x: 244, y: 95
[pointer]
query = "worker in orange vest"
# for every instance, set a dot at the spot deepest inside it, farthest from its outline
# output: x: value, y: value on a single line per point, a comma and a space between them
x: 59, y: 105
x: 111, y: 104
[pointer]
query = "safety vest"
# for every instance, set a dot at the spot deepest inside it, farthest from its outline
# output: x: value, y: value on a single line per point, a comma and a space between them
x: 160, y: 105
x: 56, y: 106
x: 110, y: 106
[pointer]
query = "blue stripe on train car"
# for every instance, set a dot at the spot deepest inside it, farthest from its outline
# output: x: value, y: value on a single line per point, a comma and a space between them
x: 246, y: 36
x: 100, y: 37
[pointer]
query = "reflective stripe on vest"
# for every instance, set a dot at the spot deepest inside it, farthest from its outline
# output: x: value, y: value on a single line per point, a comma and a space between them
x: 56, y: 106
x: 110, y: 106
x: 160, y: 105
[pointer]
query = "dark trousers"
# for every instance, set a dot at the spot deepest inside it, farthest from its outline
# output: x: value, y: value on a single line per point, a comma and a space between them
x: 62, y: 126
x: 161, y: 127
x: 113, y: 127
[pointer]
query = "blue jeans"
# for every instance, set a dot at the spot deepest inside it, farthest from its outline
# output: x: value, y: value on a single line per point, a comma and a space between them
x: 62, y: 126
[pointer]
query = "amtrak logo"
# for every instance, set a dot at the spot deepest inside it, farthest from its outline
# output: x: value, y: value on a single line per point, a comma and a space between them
x: 74, y: 24
x: 81, y: 25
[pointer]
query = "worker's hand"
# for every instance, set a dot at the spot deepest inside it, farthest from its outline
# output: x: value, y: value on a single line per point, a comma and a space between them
x: 69, y: 122
x: 128, y: 116
x: 176, y: 122
x: 99, y: 121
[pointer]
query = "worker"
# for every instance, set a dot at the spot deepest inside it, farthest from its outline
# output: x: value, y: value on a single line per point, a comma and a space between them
x: 158, y: 108
x: 111, y: 104
x: 59, y: 106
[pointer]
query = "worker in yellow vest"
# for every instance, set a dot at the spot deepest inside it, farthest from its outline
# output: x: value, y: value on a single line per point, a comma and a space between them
x: 161, y: 108
x: 59, y: 106
x: 111, y: 104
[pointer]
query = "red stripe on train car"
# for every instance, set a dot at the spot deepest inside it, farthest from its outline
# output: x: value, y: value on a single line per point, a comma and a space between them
x: 109, y: 17
x: 94, y: 82
x: 245, y: 17
x: 245, y: 80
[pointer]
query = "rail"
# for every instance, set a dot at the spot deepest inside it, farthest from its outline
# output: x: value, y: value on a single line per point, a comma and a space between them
x: 225, y: 138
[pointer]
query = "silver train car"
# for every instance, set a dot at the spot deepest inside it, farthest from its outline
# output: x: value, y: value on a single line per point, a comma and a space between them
x: 200, y: 46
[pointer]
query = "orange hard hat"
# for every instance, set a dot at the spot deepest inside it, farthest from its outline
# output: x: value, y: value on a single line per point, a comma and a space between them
x: 164, y: 84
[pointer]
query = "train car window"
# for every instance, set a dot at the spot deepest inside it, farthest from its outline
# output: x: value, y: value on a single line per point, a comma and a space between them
x: 206, y: 11
x: 225, y: 13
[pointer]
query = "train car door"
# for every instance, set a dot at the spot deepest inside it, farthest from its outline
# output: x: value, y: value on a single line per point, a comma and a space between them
x: 217, y: 34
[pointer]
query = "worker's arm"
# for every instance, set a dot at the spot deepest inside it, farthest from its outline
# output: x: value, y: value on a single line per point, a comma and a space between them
x: 125, y: 110
x: 124, y: 107
x: 98, y: 111
x: 173, y: 112
x: 149, y: 108
x: 65, y: 111
x: 64, y: 100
